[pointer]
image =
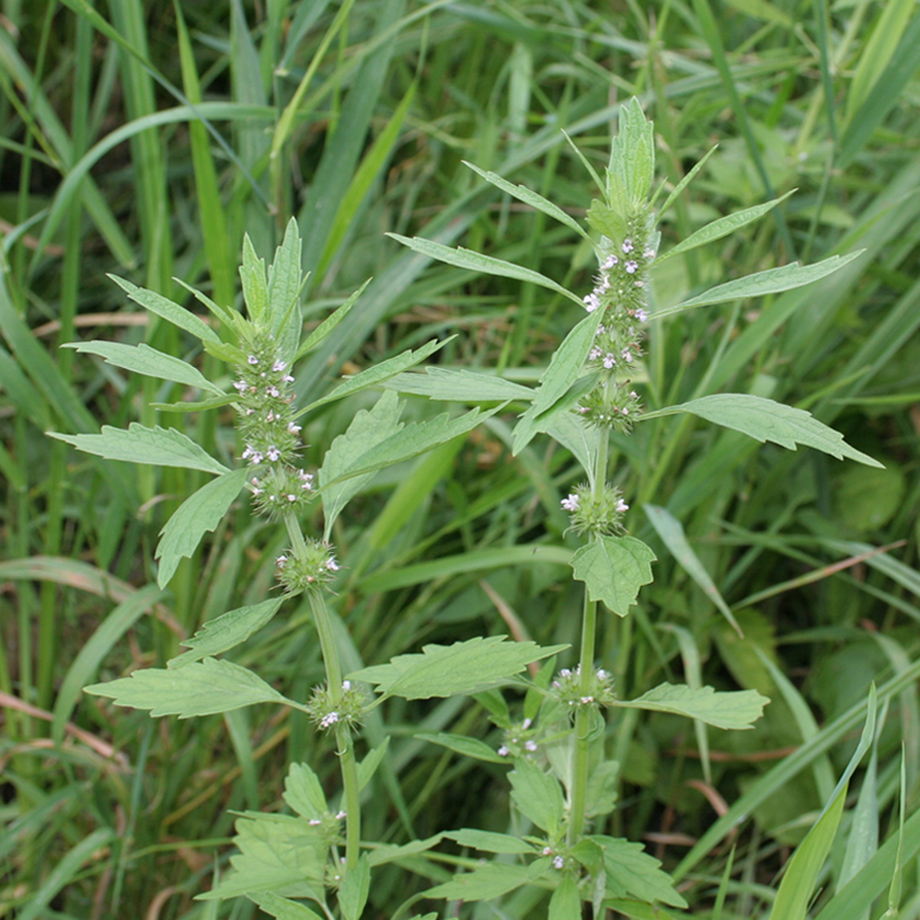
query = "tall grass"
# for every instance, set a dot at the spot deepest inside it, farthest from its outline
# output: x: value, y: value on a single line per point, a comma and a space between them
x: 145, y: 140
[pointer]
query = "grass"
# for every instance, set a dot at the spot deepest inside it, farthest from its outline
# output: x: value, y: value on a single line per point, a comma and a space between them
x: 147, y: 144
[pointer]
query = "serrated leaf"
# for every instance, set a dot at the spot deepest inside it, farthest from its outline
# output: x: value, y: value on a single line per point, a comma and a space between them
x: 462, y: 744
x: 766, y: 420
x: 329, y: 323
x: 581, y: 439
x: 729, y: 709
x: 201, y: 512
x: 477, y: 262
x: 279, y: 854
x: 771, y: 281
x: 142, y: 359
x: 282, y: 908
x: 393, y: 852
x: 489, y: 881
x: 303, y: 792
x: 368, y: 767
x: 203, y: 405
x: 454, y: 670
x: 459, y: 385
x: 366, y: 429
x: 631, y: 872
x: 354, y: 889
x: 721, y: 227
x: 377, y: 374
x: 226, y: 632
x: 613, y: 569
x: 537, y: 795
x: 565, y: 904
x: 606, y: 220
x: 201, y: 688
x: 285, y: 282
x: 168, y: 309
x: 687, y: 179
x: 489, y: 842
x: 522, y: 193
x: 564, y: 369
x: 255, y: 287
x: 632, y: 158
x: 157, y: 446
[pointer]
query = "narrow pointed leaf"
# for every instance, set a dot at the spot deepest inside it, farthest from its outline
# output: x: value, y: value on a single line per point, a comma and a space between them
x: 285, y: 282
x: 458, y: 385
x: 354, y: 890
x: 200, y: 513
x: 489, y: 881
x: 156, y: 446
x: 283, y: 908
x: 489, y: 841
x: 199, y: 689
x: 329, y: 323
x: 613, y: 569
x: 730, y: 709
x: 255, y: 287
x: 454, y: 670
x: 168, y: 309
x: 462, y: 744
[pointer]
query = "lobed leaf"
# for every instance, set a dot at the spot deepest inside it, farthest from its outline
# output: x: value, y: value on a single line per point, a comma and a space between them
x: 460, y: 669
x: 285, y: 283
x: 631, y: 872
x: 729, y: 709
x: 156, y: 446
x: 303, y: 792
x: 613, y: 569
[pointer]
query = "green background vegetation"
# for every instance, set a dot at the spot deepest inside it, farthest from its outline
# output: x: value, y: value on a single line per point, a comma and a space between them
x: 355, y: 119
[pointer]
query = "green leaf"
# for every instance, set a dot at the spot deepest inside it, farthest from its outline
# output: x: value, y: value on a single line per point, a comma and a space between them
x: 215, y: 402
x: 454, y: 670
x: 613, y: 569
x: 489, y: 881
x: 459, y: 385
x: 730, y: 709
x: 282, y: 908
x: 766, y: 420
x: 280, y: 854
x: 476, y: 262
x: 285, y: 282
x: 721, y: 227
x: 303, y: 792
x: 255, y: 288
x: 368, y: 767
x: 367, y: 428
x: 157, y: 446
x: 329, y: 323
x: 392, y: 852
x: 581, y: 439
x: 226, y: 632
x: 168, y: 309
x: 142, y: 359
x: 200, y: 512
x: 537, y: 795
x: 532, y: 198
x: 632, y: 872
x: 565, y: 904
x: 201, y: 688
x: 377, y: 374
x: 771, y: 281
x: 462, y: 744
x: 354, y: 890
x: 632, y: 159
x: 564, y: 368
x: 606, y: 221
x: 672, y: 533
x: 489, y: 842
x: 687, y: 179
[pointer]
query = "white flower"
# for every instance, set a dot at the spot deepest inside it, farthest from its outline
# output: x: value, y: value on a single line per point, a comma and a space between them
x: 340, y: 815
x: 253, y: 360
x: 622, y: 507
x: 279, y: 366
x: 329, y: 719
x: 592, y: 302
x: 530, y: 745
x: 273, y: 391
x: 628, y: 246
x: 570, y: 503
x: 503, y: 751
x: 631, y: 266
x: 558, y: 862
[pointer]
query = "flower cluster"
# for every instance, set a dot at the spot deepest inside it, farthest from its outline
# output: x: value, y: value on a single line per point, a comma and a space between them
x: 329, y: 826
x: 282, y: 488
x: 596, y: 514
x: 309, y: 567
x: 568, y: 688
x: 519, y: 741
x: 345, y: 707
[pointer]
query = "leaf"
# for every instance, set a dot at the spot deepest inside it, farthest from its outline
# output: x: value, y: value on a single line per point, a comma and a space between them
x: 303, y: 792
x: 329, y: 323
x: 537, y: 795
x: 255, y: 288
x: 368, y: 767
x: 685, y: 181
x: 200, y: 512
x: 522, y: 193
x: 142, y: 359
x: 215, y: 402
x: 766, y: 420
x: 771, y: 281
x: 481, y: 264
x: 285, y: 282
x: 354, y: 890
x: 198, y: 689
x: 377, y: 374
x: 565, y: 904
x: 632, y: 872
x: 156, y: 446
x: 168, y: 309
x: 581, y: 439
x: 393, y: 852
x: 729, y: 709
x: 613, y: 569
x: 489, y: 841
x: 226, y: 632
x: 282, y: 908
x: 721, y: 227
x: 454, y: 670
x: 462, y: 744
x: 672, y: 533
x: 459, y: 385
x: 632, y: 159
x: 564, y: 368
x: 489, y: 881
x: 366, y: 429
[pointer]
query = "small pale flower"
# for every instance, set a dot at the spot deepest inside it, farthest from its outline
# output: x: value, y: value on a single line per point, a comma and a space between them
x: 610, y: 261
x: 503, y: 751
x: 622, y: 507
x: 294, y: 429
x: 547, y: 851
x: 628, y: 246
x: 592, y: 302
x: 332, y: 565
x: 329, y: 719
x: 558, y: 862
x: 273, y: 391
x: 570, y: 503
x: 631, y: 266
x: 609, y: 361
x: 530, y: 746
x: 240, y: 386
x: 280, y: 561
x: 314, y: 822
x: 340, y: 815
x: 273, y: 453
x: 641, y: 315
x: 253, y: 360
x: 279, y: 366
